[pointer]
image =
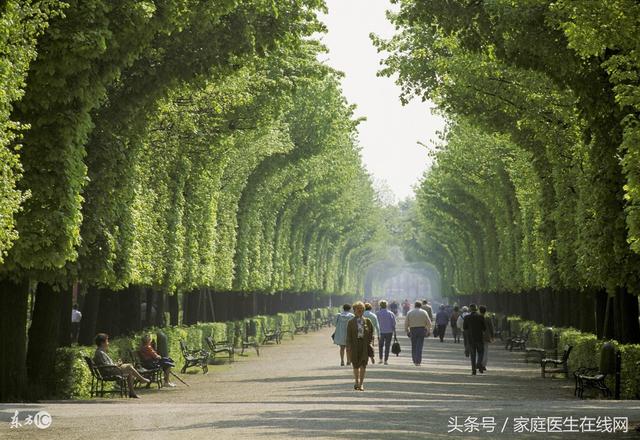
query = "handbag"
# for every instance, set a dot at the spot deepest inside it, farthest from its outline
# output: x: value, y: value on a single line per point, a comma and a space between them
x: 370, y: 351
x: 395, y: 348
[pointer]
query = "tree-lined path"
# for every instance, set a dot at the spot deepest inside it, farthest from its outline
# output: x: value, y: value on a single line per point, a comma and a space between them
x: 199, y: 168
x: 296, y: 390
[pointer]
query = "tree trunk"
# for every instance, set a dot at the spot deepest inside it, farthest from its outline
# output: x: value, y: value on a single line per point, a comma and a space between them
x: 254, y: 304
x: 64, y: 337
x: 13, y: 340
x: 190, y: 306
x: 202, y: 305
x: 629, y: 327
x: 108, y: 320
x: 130, y: 316
x: 608, y: 319
x: 149, y: 302
x: 43, y: 340
x: 89, y: 320
x: 160, y: 308
x: 600, y: 309
x: 212, y: 312
x: 174, y: 309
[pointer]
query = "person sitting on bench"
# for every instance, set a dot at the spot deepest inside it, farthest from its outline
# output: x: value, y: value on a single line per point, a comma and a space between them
x: 151, y: 359
x: 102, y: 359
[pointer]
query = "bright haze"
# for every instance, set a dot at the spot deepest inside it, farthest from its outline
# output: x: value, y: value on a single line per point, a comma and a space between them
x: 390, y: 135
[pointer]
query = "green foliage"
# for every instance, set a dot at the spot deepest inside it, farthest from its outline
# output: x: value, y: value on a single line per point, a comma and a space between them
x: 20, y: 25
x: 534, y: 182
x: 73, y: 378
x: 181, y: 145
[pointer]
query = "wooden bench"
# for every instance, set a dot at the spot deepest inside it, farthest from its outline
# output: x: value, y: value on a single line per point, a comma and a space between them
x: 320, y: 321
x: 249, y: 339
x: 216, y: 347
x: 561, y: 365
x: 194, y: 358
x: 519, y: 342
x: 540, y: 353
x: 106, y: 373
x: 285, y: 329
x: 301, y: 328
x: 534, y: 353
x: 509, y: 340
x: 269, y: 334
x: 310, y: 321
x: 590, y: 378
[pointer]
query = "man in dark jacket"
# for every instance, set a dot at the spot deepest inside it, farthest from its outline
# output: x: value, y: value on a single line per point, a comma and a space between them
x: 475, y: 327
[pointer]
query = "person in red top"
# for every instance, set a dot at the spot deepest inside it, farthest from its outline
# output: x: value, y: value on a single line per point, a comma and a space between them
x: 151, y: 359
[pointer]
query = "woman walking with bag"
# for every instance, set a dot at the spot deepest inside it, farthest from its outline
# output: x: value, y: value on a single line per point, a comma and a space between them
x: 359, y: 336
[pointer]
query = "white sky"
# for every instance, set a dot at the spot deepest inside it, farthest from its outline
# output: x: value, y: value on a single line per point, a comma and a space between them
x: 390, y: 134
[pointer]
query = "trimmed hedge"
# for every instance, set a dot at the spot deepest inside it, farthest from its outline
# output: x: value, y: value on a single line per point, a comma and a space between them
x: 586, y: 352
x: 73, y: 378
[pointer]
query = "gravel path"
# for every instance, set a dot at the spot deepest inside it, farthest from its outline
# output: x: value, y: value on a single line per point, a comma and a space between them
x: 297, y: 390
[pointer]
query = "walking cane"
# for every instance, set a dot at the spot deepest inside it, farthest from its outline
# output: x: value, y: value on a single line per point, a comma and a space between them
x: 178, y: 377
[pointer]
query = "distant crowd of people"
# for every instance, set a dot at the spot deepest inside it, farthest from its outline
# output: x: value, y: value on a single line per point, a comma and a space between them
x: 358, y: 325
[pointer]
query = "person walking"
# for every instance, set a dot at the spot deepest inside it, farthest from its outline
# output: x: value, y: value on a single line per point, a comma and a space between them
x: 340, y: 335
x: 76, y: 317
x: 454, y: 324
x: 427, y: 308
x: 359, y: 337
x: 417, y: 325
x: 474, y: 328
x: 387, y: 324
x: 368, y: 313
x: 464, y: 314
x: 488, y: 337
x: 442, y: 318
x: 406, y: 307
x: 394, y: 307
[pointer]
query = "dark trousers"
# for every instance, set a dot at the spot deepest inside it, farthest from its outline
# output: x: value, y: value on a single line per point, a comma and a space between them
x: 417, y: 342
x: 75, y: 329
x: 442, y: 328
x: 384, y: 341
x: 476, y: 352
x: 456, y: 333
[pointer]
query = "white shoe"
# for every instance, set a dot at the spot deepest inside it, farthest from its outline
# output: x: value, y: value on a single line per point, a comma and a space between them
x: 169, y: 384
